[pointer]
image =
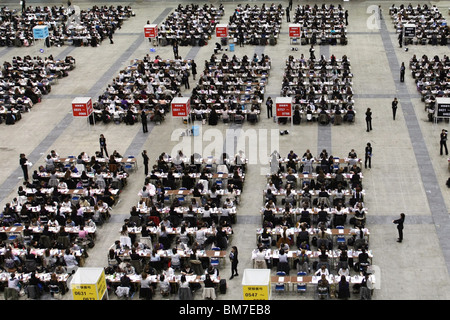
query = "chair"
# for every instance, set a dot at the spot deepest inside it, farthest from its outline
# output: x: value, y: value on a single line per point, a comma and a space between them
x: 280, y: 286
x: 63, y: 241
x: 44, y: 241
x: 129, y: 167
x: 215, y: 261
x: 301, y: 286
x: 11, y: 294
x: 180, y: 198
x: 136, y: 220
x: 185, y: 293
x: 209, y: 293
x: 30, y: 265
x: 55, y: 290
x: 33, y: 292
x: 340, y: 238
x: 123, y: 292
x: 12, y: 236
x: 167, y: 197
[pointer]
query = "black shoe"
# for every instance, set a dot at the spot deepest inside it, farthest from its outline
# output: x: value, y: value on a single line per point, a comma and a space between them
x: 231, y: 278
x: 399, y: 240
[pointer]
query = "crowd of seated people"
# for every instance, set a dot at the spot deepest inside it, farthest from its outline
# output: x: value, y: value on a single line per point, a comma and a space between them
x: 178, y: 229
x: 190, y: 25
x: 321, y: 89
x: 89, y: 27
x: 230, y: 88
x: 432, y: 79
x: 319, y: 204
x: 321, y: 24
x: 257, y: 25
x: 25, y: 80
x: 147, y: 85
x: 431, y: 26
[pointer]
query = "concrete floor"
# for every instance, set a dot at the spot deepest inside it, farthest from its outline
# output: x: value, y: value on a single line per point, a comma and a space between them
x: 407, y: 174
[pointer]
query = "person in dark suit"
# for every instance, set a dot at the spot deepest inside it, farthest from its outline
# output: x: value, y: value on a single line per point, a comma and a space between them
x: 145, y: 161
x: 144, y: 121
x: 394, y: 107
x: 399, y: 223
x: 369, y: 119
x: 234, y: 261
x: 23, y: 164
x: 102, y: 141
x: 368, y: 155
x: 402, y: 72
x: 443, y: 142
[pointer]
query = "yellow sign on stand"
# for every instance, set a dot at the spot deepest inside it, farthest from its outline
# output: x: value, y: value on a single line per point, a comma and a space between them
x: 88, y: 284
x: 256, y: 284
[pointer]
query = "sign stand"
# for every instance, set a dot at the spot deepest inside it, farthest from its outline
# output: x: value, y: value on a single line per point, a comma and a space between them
x: 82, y: 107
x: 283, y: 107
x: 256, y: 284
x: 442, y: 109
x: 295, y: 32
x: 181, y: 108
x: 151, y: 31
x: 40, y: 32
x: 89, y: 284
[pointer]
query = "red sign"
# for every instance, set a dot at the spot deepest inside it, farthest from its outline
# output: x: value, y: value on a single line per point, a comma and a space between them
x: 284, y: 109
x: 221, y: 31
x: 294, y: 31
x: 151, y: 31
x: 82, y: 107
x: 181, y: 107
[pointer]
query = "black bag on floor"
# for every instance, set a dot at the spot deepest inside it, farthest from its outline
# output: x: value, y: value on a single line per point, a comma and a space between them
x: 223, y: 286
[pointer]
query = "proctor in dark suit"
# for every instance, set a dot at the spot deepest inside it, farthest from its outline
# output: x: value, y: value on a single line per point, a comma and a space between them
x: 399, y: 223
x: 144, y: 121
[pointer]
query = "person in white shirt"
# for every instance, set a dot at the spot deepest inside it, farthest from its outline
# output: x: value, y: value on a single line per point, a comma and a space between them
x: 323, y: 270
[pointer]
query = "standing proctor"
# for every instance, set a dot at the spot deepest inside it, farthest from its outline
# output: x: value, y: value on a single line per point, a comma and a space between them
x: 394, y: 107
x: 269, y: 104
x: 368, y: 155
x: 23, y: 163
x: 193, y: 69
x: 234, y: 261
x: 102, y: 141
x: 144, y: 121
x: 402, y: 72
x: 145, y: 161
x: 399, y: 223
x: 369, y: 119
x: 443, y: 141
x: 288, y: 17
x: 400, y: 39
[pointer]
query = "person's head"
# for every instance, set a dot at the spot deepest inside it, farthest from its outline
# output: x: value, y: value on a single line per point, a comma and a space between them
x: 402, y: 215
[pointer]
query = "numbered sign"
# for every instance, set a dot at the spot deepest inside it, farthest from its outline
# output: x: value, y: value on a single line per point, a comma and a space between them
x: 283, y: 106
x: 181, y: 107
x: 82, y: 107
x: 221, y: 31
x: 151, y: 30
x: 294, y: 30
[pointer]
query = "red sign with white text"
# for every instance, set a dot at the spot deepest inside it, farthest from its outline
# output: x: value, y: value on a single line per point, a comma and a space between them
x: 221, y: 31
x: 283, y: 109
x: 294, y: 31
x: 82, y: 107
x: 151, y: 31
x: 181, y: 108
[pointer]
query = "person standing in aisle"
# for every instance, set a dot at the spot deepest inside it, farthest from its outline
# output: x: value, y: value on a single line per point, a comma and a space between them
x: 369, y: 119
x: 443, y: 141
x: 234, y: 261
x: 144, y: 121
x: 145, y: 161
x: 102, y: 141
x: 288, y: 17
x: 394, y: 107
x: 23, y: 164
x: 399, y: 222
x: 402, y: 72
x: 368, y: 155
x: 290, y: 4
x: 400, y: 39
x: 269, y: 104
x: 193, y: 69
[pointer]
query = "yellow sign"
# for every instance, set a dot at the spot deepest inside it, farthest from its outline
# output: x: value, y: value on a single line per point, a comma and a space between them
x: 256, y: 292
x: 84, y: 292
x: 90, y: 291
